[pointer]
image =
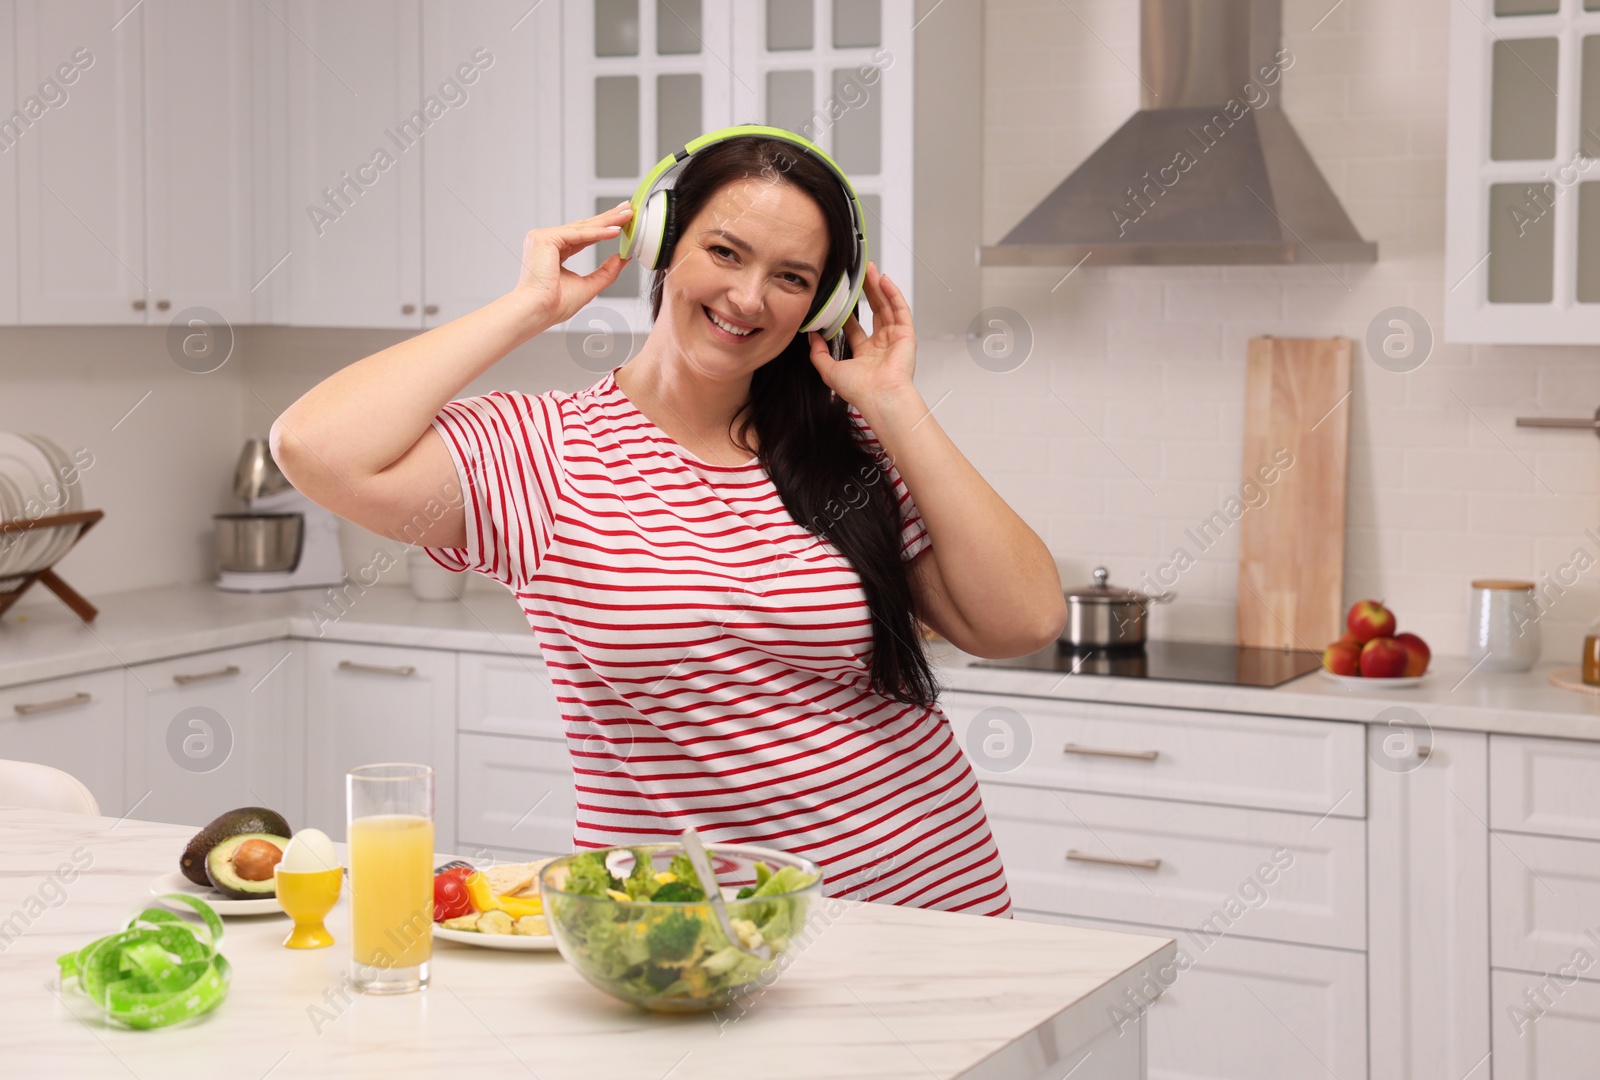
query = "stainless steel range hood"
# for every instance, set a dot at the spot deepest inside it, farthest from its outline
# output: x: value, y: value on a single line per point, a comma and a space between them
x: 1207, y: 172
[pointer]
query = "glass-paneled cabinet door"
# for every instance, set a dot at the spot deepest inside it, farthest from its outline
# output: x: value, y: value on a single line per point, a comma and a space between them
x: 641, y: 78
x: 1522, y: 246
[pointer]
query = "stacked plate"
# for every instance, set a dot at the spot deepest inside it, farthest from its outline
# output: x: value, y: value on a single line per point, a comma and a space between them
x: 33, y: 484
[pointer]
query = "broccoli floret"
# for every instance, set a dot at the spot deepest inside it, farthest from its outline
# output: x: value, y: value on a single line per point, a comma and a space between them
x: 745, y: 893
x: 589, y: 876
x: 674, y: 937
x: 683, y: 870
x: 642, y: 884
x: 678, y: 892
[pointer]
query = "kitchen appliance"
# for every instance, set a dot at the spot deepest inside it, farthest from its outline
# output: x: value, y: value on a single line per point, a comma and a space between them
x: 1208, y: 172
x: 283, y: 540
x: 1104, y: 615
x: 1172, y: 661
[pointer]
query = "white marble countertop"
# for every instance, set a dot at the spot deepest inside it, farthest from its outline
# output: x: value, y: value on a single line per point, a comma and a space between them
x: 151, y: 624
x: 883, y: 992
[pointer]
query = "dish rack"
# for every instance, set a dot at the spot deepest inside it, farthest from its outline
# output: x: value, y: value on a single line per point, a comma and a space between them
x: 12, y: 586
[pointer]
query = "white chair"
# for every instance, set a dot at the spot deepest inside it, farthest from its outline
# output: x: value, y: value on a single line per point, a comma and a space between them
x: 40, y: 787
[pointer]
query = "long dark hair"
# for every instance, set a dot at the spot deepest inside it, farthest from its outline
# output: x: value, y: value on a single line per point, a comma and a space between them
x: 806, y: 440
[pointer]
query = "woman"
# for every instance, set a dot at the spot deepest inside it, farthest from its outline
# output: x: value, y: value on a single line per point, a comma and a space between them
x: 725, y: 546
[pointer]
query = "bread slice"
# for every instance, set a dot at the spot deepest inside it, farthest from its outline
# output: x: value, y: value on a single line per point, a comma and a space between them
x: 516, y: 879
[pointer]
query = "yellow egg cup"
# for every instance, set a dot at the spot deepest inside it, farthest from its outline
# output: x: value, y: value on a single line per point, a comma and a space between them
x: 307, y: 898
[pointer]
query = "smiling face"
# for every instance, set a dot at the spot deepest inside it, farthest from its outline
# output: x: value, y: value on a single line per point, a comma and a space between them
x: 751, y: 260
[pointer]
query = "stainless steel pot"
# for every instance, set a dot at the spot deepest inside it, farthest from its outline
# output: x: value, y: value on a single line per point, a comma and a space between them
x: 258, y: 543
x: 1107, y: 616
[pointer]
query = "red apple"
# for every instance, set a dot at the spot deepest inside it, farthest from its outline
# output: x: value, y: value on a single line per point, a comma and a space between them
x: 1383, y: 658
x: 1417, y: 653
x: 1342, y: 658
x: 1369, y: 619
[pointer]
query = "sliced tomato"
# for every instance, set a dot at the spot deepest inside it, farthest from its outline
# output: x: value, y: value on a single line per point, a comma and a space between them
x: 450, y: 899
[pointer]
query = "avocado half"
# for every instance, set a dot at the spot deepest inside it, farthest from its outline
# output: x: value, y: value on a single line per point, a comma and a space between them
x: 238, y: 822
x: 240, y: 867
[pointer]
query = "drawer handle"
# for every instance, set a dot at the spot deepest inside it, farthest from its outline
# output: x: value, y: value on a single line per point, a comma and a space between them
x: 377, y: 669
x: 31, y: 708
x: 1107, y: 860
x: 1095, y: 751
x: 220, y: 673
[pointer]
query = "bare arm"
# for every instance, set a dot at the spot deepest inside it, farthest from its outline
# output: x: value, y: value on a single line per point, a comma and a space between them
x: 360, y: 442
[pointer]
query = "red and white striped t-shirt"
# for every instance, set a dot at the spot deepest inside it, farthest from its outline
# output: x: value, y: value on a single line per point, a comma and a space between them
x: 709, y: 654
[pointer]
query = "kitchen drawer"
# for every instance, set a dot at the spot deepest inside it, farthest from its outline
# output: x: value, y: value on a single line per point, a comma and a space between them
x: 507, y: 695
x: 1208, y: 864
x: 1556, y: 1039
x: 74, y: 724
x: 517, y: 796
x: 1227, y: 759
x: 1251, y: 1010
x: 1544, y: 901
x: 1546, y: 786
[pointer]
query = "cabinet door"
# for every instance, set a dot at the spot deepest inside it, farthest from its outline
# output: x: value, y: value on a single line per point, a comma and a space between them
x: 210, y: 732
x: 508, y: 695
x: 1238, y: 1009
x: 8, y: 171
x: 198, y: 112
x: 367, y: 704
x: 73, y: 724
x: 82, y: 161
x: 1546, y: 1027
x: 357, y: 118
x: 502, y: 89
x: 517, y: 796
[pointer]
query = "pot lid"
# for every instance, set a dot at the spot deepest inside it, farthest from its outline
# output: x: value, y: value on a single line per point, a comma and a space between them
x: 1102, y: 593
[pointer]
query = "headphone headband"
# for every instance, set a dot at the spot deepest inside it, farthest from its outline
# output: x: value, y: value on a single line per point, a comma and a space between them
x: 652, y: 230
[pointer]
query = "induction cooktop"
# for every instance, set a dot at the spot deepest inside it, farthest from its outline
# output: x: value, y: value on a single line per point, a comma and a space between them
x: 1176, y: 661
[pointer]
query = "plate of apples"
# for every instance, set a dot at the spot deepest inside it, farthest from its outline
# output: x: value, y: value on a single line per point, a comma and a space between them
x: 1371, y: 652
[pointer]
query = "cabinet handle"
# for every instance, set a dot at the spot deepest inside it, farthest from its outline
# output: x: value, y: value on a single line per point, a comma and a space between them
x: 25, y: 708
x: 1094, y: 751
x: 220, y: 673
x: 163, y: 305
x: 431, y: 309
x: 138, y: 305
x: 1132, y: 864
x: 408, y: 309
x: 377, y: 669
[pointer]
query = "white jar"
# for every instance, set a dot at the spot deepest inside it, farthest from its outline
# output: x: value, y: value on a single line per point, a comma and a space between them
x: 1503, y: 625
x: 430, y: 581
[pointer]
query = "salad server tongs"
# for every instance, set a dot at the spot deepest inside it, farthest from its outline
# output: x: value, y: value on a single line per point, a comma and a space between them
x: 695, y: 850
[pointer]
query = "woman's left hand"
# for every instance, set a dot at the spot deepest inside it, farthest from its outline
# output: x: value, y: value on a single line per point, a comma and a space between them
x: 880, y: 365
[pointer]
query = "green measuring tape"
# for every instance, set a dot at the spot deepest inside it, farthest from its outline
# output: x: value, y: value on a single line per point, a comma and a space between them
x: 157, y: 970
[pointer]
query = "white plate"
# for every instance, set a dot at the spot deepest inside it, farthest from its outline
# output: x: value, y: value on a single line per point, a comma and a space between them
x: 1362, y: 682
x: 176, y: 882
x: 10, y: 507
x: 71, y: 497
x: 30, y: 469
x: 514, y: 942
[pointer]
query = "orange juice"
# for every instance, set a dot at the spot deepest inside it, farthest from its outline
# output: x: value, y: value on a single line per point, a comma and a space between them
x: 391, y: 890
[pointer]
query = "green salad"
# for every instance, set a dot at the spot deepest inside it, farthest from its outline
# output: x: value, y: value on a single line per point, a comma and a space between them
x: 652, y: 955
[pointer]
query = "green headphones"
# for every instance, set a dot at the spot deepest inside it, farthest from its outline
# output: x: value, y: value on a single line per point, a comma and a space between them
x: 656, y: 232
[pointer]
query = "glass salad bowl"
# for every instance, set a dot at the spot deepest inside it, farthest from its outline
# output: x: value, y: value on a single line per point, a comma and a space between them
x: 636, y: 921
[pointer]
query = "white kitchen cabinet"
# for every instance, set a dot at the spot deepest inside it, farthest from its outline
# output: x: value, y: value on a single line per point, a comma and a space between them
x: 1545, y: 1028
x: 517, y: 797
x: 1238, y: 1009
x: 74, y: 724
x: 1259, y: 873
x: 213, y: 731
x: 1550, y: 787
x: 81, y: 161
x: 369, y: 704
x: 356, y: 124
x: 1428, y: 894
x: 199, y: 107
x: 9, y: 255
x: 1545, y: 902
x: 1312, y: 766
x: 508, y: 695
x: 490, y: 176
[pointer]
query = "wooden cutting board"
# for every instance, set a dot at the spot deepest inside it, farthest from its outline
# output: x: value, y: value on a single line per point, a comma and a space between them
x: 1291, y: 546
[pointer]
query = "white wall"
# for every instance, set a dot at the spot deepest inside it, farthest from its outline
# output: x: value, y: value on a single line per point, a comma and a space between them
x: 1442, y: 487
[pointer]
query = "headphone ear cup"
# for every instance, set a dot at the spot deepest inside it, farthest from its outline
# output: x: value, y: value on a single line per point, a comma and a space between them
x: 831, y: 317
x: 657, y: 231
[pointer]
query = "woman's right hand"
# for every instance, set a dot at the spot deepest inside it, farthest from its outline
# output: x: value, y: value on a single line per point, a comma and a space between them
x: 554, y: 292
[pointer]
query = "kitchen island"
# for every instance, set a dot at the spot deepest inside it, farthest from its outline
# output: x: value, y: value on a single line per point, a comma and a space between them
x: 882, y: 992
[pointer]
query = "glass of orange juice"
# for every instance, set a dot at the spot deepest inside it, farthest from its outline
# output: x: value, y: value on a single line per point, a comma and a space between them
x: 390, y: 852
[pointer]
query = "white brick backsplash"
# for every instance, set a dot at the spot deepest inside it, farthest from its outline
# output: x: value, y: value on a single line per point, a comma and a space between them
x: 1153, y: 357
